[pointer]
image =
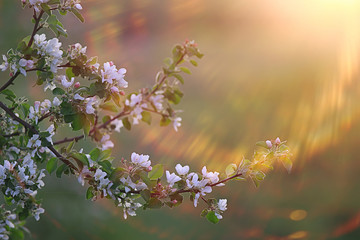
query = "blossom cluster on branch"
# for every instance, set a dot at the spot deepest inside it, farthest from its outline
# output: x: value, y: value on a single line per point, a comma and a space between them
x: 91, y: 99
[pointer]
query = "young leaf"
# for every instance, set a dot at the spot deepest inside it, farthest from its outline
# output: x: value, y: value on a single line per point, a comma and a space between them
x: 146, y: 117
x: 89, y: 193
x: 126, y: 123
x: 51, y: 165
x: 211, y: 217
x: 185, y: 70
x: 156, y: 172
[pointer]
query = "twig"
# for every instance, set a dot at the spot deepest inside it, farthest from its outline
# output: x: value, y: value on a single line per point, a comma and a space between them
x: 33, y: 129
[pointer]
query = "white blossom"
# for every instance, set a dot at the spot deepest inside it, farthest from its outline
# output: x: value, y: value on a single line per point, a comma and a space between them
x: 65, y: 82
x: 5, y: 64
x: 106, y: 143
x: 118, y: 124
x: 177, y: 123
x: 182, y: 170
x: 157, y: 101
x: 172, y: 178
x: 56, y: 102
x: 141, y: 160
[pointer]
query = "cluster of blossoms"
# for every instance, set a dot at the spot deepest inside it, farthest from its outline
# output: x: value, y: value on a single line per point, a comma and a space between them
x: 85, y: 105
x: 15, y: 62
x: 49, y: 50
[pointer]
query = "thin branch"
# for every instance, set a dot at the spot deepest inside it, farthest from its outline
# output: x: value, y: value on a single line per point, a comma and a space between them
x: 33, y: 129
x: 36, y: 29
x: 11, y: 135
x: 77, y: 138
x: 8, y: 83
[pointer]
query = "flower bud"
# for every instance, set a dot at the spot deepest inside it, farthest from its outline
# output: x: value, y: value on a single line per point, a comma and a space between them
x: 77, y: 85
x: 268, y: 143
x: 277, y: 141
x: 122, y: 93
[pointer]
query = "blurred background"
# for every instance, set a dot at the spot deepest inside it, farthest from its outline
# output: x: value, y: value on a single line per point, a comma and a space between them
x: 271, y: 68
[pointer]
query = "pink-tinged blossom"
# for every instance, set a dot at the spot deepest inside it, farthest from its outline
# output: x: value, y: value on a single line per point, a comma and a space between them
x: 45, y: 106
x: 277, y: 141
x: 268, y: 144
x: 182, y: 170
x: 172, y: 178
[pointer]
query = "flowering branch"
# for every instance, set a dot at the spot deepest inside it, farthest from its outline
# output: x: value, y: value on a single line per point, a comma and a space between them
x: 84, y: 92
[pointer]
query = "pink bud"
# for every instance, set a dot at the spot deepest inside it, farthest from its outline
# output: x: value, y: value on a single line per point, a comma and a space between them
x: 11, y: 74
x: 149, y: 168
x: 122, y: 93
x: 111, y: 63
x: 174, y: 201
x: 268, y: 143
x: 277, y: 141
x: 77, y: 85
x: 130, y: 168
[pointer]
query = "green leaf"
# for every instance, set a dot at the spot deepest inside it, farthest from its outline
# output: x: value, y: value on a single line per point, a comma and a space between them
x: 77, y: 14
x: 126, y: 123
x: 69, y: 73
x: 164, y: 121
x: 211, y: 217
x: 156, y: 172
x: 109, y: 107
x: 25, y: 109
x: 154, y: 203
x: 58, y: 91
x: 185, y: 70
x: 70, y: 146
x: 230, y: 169
x: 146, y: 117
x: 193, y: 62
x: 106, y: 118
x: 61, y: 170
x: 287, y: 163
x: 89, y: 193
x: 94, y: 154
x: 179, y: 77
x: 204, y: 212
x: 78, y: 122
x: 81, y: 157
x: 51, y: 165
x: 53, y: 2
x: 262, y: 144
x: 16, y: 234
x: 46, y: 8
x: 8, y: 93
x: 145, y: 194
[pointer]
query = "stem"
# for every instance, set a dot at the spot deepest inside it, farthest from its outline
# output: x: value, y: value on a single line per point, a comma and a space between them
x: 33, y: 129
x: 77, y: 138
x: 36, y: 27
x: 211, y: 185
x: 8, y: 83
x: 11, y: 135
